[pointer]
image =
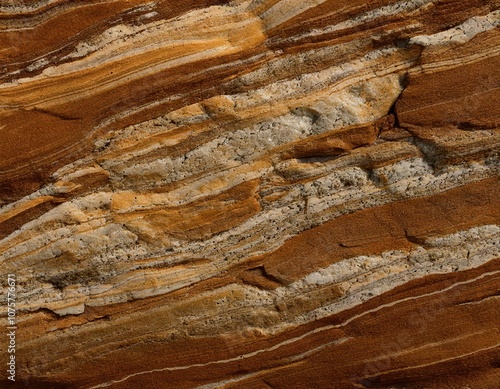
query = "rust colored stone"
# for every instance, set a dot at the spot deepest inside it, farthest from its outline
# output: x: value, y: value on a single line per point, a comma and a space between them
x: 396, y: 226
x: 250, y: 193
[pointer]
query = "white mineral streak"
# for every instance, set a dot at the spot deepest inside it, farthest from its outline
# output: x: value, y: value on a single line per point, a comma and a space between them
x: 113, y: 248
x: 358, y: 92
x: 461, y: 33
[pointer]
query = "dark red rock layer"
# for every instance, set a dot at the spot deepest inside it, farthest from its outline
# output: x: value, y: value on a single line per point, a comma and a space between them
x: 251, y: 194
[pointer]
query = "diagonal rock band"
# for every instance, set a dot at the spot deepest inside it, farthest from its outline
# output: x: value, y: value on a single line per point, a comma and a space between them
x: 251, y: 193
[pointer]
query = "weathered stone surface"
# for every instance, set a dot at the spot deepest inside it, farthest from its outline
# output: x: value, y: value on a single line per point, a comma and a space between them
x: 251, y: 193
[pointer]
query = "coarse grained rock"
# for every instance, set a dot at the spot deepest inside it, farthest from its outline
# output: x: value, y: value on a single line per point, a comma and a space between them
x: 251, y: 193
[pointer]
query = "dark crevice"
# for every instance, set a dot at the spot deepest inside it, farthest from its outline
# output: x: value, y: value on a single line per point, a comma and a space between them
x: 392, y: 111
x: 430, y: 153
x: 269, y: 276
x: 404, y: 82
x: 468, y: 126
x: 63, y: 280
x: 402, y: 43
x: 54, y: 114
x: 260, y: 278
x: 414, y: 239
x: 48, y: 312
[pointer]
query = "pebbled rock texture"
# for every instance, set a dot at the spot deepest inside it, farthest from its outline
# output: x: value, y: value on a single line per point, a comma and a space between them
x: 251, y: 193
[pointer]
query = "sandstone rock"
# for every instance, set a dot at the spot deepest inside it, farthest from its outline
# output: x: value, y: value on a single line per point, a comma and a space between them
x: 251, y: 193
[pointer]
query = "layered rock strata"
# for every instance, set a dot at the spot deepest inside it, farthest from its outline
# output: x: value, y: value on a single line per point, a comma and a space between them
x: 252, y: 194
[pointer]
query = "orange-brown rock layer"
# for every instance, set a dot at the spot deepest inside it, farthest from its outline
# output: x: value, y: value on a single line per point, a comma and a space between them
x: 251, y: 193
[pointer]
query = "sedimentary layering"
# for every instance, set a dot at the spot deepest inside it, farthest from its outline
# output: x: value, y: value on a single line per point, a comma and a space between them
x: 251, y: 194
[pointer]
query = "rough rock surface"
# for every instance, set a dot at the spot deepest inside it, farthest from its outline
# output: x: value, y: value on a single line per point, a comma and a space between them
x: 251, y: 193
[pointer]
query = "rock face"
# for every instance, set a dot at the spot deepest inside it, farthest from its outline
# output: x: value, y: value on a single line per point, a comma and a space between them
x: 251, y: 194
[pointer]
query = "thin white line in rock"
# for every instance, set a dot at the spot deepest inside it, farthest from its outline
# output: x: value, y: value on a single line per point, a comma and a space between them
x: 418, y: 297
x: 292, y: 340
x: 215, y: 385
x: 427, y: 345
x: 442, y: 360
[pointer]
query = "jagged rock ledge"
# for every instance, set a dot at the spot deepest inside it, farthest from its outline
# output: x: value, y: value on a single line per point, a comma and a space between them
x: 248, y: 194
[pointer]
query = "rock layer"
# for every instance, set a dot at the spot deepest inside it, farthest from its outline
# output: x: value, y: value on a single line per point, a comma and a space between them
x: 251, y: 194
